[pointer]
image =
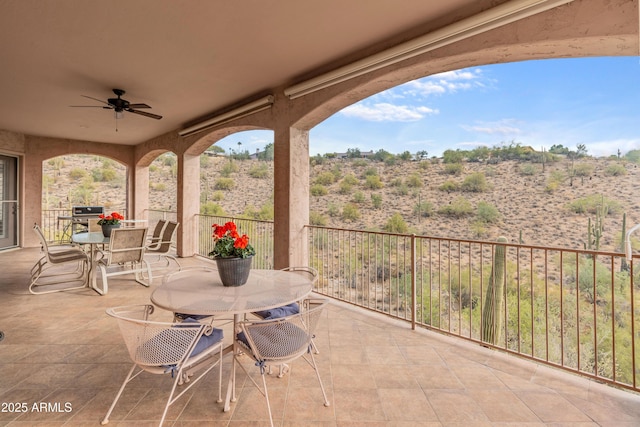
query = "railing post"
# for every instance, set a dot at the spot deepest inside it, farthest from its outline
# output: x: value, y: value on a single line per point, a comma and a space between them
x: 413, y: 282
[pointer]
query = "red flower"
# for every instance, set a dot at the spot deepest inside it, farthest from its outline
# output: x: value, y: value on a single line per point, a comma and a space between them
x: 241, y: 242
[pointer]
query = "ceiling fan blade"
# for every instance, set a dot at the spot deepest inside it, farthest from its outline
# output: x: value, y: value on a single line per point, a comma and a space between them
x: 139, y: 106
x: 144, y: 113
x: 96, y: 99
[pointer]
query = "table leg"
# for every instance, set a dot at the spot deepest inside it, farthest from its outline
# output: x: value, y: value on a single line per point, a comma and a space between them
x: 231, y: 387
x: 92, y: 269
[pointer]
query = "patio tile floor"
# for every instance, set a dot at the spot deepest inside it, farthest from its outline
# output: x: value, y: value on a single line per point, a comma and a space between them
x: 62, y: 349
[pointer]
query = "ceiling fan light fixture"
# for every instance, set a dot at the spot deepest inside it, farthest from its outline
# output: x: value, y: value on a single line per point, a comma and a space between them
x: 118, y: 114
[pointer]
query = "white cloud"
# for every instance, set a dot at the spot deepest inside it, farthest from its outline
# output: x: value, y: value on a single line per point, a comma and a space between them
x: 385, y: 112
x: 449, y: 81
x: 503, y: 127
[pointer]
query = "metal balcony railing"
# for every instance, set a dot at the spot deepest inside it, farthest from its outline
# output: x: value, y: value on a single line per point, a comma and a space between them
x: 573, y: 309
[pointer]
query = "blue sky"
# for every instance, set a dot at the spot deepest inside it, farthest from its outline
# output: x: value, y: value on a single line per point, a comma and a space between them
x: 591, y: 101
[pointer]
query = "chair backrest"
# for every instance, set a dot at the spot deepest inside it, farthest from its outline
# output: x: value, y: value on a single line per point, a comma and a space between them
x: 43, y: 241
x: 284, y: 339
x: 126, y: 245
x: 152, y: 343
x: 92, y: 225
x: 167, y: 237
x: 308, y: 272
x: 156, y: 237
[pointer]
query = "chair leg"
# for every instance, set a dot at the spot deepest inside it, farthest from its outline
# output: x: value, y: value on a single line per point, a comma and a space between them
x: 130, y: 376
x: 266, y: 396
x: 315, y: 368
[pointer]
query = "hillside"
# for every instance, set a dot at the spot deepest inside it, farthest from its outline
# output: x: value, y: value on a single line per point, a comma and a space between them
x: 530, y: 202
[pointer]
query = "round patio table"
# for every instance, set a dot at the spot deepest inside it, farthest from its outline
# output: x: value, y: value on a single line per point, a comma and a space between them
x: 200, y: 291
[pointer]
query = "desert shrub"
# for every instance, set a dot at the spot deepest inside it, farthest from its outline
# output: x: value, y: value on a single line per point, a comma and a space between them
x: 316, y: 218
x: 350, y: 212
x: 153, y: 168
x: 318, y: 190
x: 425, y: 209
x: 211, y: 208
x: 333, y: 210
x: 259, y: 170
x: 265, y: 212
x: 159, y: 186
x: 217, y: 196
x: 391, y: 161
x: 350, y: 179
x: 376, y: 200
x: 590, y: 204
x: 345, y: 188
x: 77, y: 173
x: 459, y: 208
x: 402, y: 189
x: 359, y: 163
x: 527, y: 169
x: 228, y: 168
x: 224, y: 184
x: 583, y: 169
x: 373, y: 182
x: 414, y: 181
x: 633, y: 156
x: 487, y: 213
x: 358, y: 197
x: 316, y: 160
x: 424, y: 165
x: 370, y: 172
x: 453, y: 168
x: 396, y: 182
x: 449, y: 186
x: 168, y: 159
x: 325, y: 178
x: 336, y: 170
x: 551, y: 186
x: 478, y: 229
x: 475, y: 183
x: 396, y: 224
x: 615, y: 170
x: 451, y: 156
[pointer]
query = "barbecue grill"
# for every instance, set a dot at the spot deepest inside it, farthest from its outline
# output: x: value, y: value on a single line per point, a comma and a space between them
x: 80, y: 215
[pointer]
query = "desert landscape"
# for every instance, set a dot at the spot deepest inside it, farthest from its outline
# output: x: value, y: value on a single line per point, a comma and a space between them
x: 531, y: 203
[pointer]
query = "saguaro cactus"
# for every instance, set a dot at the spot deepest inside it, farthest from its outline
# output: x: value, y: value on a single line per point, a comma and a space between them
x: 492, y: 314
x: 623, y: 243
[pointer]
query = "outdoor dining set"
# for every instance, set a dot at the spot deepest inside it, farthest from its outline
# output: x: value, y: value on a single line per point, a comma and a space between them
x: 273, y: 314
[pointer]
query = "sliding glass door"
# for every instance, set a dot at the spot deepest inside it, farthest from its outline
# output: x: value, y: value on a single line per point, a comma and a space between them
x: 8, y: 202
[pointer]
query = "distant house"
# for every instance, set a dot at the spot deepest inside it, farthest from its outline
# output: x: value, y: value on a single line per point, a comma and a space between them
x: 256, y: 155
x: 363, y: 154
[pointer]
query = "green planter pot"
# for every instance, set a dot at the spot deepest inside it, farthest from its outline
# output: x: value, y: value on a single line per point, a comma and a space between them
x: 234, y: 271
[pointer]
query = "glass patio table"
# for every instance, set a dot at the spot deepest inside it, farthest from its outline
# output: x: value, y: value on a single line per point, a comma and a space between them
x: 199, y: 291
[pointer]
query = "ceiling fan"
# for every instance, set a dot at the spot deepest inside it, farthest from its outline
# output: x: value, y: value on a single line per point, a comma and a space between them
x: 120, y: 105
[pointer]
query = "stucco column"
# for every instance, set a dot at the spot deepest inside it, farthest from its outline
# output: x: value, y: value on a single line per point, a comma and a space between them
x: 31, y: 209
x: 188, y: 203
x: 291, y: 197
x: 139, y: 199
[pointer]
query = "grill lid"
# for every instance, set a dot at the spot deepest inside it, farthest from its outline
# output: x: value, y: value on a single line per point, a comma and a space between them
x: 87, y: 210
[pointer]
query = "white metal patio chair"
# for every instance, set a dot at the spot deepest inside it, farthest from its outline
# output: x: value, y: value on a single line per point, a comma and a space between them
x: 125, y: 256
x: 279, y: 341
x: 294, y: 308
x: 178, y: 350
x: 51, y: 273
x: 161, y: 247
x: 154, y: 241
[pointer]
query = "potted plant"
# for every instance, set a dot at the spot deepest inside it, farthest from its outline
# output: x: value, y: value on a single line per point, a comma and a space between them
x: 109, y: 222
x: 233, y: 254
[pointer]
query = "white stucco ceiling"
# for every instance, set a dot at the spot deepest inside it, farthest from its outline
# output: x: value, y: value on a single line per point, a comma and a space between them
x: 185, y: 58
